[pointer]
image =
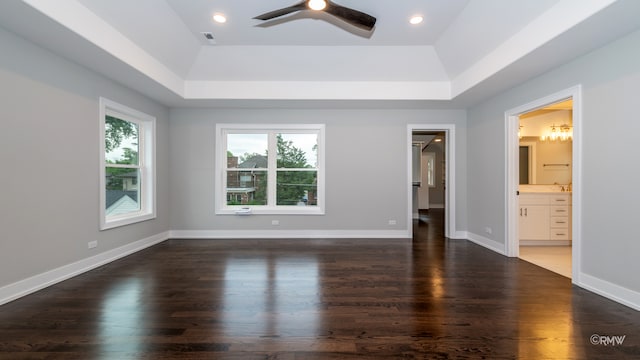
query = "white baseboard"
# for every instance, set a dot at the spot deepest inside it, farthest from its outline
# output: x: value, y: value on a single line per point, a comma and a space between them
x: 459, y: 235
x: 290, y: 234
x: 37, y: 282
x: 487, y: 243
x: 611, y: 291
x: 598, y: 286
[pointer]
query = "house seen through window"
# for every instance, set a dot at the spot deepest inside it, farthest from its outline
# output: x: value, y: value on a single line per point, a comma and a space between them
x: 272, y: 169
x: 122, y: 168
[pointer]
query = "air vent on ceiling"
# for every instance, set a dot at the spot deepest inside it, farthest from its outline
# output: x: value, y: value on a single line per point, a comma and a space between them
x: 209, y: 37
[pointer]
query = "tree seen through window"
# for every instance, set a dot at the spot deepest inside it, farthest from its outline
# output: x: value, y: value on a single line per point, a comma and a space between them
x: 295, y: 170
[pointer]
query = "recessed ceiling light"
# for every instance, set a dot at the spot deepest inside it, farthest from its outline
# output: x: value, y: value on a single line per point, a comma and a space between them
x: 416, y: 19
x: 219, y: 18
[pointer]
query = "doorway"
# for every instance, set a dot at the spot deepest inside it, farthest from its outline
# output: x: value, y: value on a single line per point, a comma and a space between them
x: 545, y: 181
x: 532, y: 211
x: 434, y: 138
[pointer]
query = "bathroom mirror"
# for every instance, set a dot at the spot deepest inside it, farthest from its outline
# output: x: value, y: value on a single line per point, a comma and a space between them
x: 546, y: 145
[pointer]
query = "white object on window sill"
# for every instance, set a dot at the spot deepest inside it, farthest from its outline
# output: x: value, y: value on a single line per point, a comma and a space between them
x: 243, y: 211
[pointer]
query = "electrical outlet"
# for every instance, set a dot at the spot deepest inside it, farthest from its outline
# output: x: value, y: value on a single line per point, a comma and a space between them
x: 92, y: 244
x: 488, y: 230
x: 275, y: 222
x: 392, y: 222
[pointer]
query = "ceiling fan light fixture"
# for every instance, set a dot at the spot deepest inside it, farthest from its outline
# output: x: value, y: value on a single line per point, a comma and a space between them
x: 317, y: 4
x: 219, y: 18
x: 352, y: 17
x: 416, y: 19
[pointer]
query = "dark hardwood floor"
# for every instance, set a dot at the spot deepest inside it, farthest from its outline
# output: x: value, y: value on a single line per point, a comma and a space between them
x: 430, y: 298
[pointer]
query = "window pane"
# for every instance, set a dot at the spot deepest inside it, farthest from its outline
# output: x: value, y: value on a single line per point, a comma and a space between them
x: 121, y: 141
x: 247, y: 151
x: 297, y: 188
x: 122, y: 188
x: 246, y: 187
x: 297, y: 151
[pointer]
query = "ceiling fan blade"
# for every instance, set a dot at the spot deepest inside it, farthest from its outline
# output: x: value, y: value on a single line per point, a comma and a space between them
x: 353, y: 17
x: 283, y: 11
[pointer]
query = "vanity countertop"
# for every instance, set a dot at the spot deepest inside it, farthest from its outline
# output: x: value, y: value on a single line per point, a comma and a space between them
x: 545, y: 192
x: 544, y: 189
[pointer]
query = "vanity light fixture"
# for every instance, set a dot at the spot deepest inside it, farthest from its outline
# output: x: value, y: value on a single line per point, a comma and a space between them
x: 559, y: 132
x: 565, y: 132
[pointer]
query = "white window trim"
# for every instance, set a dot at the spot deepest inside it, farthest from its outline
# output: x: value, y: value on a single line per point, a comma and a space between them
x: 147, y: 162
x: 221, y: 207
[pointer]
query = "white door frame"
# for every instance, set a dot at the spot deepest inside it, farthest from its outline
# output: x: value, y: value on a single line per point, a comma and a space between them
x: 512, y: 151
x: 450, y: 176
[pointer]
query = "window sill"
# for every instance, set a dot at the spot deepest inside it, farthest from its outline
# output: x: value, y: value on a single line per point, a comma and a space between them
x: 114, y: 223
x: 280, y: 210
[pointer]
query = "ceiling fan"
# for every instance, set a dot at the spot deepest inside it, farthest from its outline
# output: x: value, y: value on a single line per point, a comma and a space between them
x: 351, y: 16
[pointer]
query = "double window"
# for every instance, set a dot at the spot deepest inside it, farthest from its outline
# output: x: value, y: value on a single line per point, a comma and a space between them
x: 275, y: 169
x: 127, y: 175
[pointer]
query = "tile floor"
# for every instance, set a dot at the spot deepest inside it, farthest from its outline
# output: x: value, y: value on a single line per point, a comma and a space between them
x: 554, y: 258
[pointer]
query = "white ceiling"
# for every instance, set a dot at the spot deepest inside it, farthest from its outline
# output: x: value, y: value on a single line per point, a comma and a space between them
x: 464, y: 51
x: 241, y: 29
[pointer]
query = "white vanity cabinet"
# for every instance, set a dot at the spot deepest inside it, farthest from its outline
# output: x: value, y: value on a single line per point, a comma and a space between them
x: 545, y: 217
x: 560, y: 216
x: 534, y: 217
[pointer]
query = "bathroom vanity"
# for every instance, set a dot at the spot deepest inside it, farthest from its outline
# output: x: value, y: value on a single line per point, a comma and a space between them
x: 545, y: 217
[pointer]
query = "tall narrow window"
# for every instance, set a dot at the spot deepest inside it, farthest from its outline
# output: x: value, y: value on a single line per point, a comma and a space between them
x: 431, y: 168
x: 127, y: 176
x: 270, y: 169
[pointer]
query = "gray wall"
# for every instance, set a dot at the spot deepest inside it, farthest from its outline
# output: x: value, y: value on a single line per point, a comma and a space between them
x: 49, y: 153
x: 366, y: 159
x: 610, y: 78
